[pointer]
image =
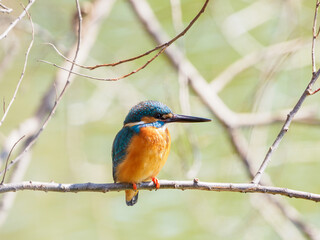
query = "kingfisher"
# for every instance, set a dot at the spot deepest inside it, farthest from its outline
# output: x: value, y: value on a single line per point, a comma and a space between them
x: 141, y: 147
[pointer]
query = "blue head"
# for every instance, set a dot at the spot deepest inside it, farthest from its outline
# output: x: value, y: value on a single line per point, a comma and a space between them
x: 155, y: 114
x: 147, y: 109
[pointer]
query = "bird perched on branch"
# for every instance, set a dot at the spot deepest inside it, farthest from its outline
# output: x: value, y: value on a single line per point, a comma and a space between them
x: 142, y: 146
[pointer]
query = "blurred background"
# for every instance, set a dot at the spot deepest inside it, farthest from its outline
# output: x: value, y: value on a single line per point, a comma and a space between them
x: 255, y: 54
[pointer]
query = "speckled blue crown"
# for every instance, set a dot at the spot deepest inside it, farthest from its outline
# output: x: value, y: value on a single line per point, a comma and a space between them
x: 146, y: 109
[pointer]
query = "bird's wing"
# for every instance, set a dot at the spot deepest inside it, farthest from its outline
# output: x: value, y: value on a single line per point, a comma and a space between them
x: 119, y: 147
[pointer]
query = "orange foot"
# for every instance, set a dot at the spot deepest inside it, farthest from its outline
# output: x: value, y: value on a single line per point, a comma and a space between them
x: 156, y: 182
x: 134, y: 186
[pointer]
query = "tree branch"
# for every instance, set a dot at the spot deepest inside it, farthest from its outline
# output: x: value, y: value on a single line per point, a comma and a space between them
x: 56, y: 103
x: 14, y: 23
x: 314, y: 37
x: 284, y: 128
x: 164, y: 184
x: 5, y: 9
x: 162, y: 47
x: 5, y: 166
x: 23, y: 70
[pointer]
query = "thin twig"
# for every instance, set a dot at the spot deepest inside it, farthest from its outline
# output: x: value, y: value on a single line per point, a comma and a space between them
x: 314, y: 37
x: 30, y: 144
x: 164, y: 45
x: 162, y: 48
x: 23, y: 70
x: 164, y: 184
x: 313, y: 92
x: 108, y: 79
x: 6, y: 165
x: 102, y: 65
x: 284, y: 129
x: 76, y: 73
x: 5, y: 9
x: 307, y: 92
x: 14, y: 23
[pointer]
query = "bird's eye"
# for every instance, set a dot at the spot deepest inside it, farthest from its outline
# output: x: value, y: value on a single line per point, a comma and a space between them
x: 158, y: 116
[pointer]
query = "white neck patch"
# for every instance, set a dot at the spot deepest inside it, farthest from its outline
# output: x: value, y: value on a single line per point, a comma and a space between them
x: 134, y: 124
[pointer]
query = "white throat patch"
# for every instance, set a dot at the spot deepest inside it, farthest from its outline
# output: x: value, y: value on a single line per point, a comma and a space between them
x: 134, y: 124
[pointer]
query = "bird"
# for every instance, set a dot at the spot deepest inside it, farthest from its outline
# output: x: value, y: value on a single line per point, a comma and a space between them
x: 141, y: 148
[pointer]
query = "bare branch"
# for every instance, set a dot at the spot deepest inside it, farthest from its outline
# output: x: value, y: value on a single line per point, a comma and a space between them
x: 162, y: 48
x: 51, y: 113
x: 290, y: 116
x: 314, y: 37
x: 14, y: 23
x: 108, y: 79
x: 6, y: 165
x: 164, y: 184
x: 284, y: 129
x: 5, y: 9
x: 76, y: 73
x: 23, y: 71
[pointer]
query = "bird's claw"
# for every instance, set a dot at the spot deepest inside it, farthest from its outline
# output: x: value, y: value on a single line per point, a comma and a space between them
x: 156, y: 182
x: 134, y: 186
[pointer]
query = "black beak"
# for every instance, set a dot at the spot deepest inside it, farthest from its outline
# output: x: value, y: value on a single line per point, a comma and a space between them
x: 186, y: 119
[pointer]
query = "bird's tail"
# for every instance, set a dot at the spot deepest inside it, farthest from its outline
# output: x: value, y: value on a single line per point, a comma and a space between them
x: 131, y: 197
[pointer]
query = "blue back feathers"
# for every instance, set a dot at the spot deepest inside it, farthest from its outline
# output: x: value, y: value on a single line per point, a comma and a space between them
x: 123, y: 138
x: 119, y: 147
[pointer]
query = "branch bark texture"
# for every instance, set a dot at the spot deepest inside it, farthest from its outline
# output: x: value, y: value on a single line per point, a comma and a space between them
x: 164, y: 184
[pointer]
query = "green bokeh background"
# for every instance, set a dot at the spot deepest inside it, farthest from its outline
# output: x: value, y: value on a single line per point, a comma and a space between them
x: 76, y: 145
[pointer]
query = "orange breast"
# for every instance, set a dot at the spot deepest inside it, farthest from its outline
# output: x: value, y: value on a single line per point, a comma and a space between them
x: 147, y: 154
